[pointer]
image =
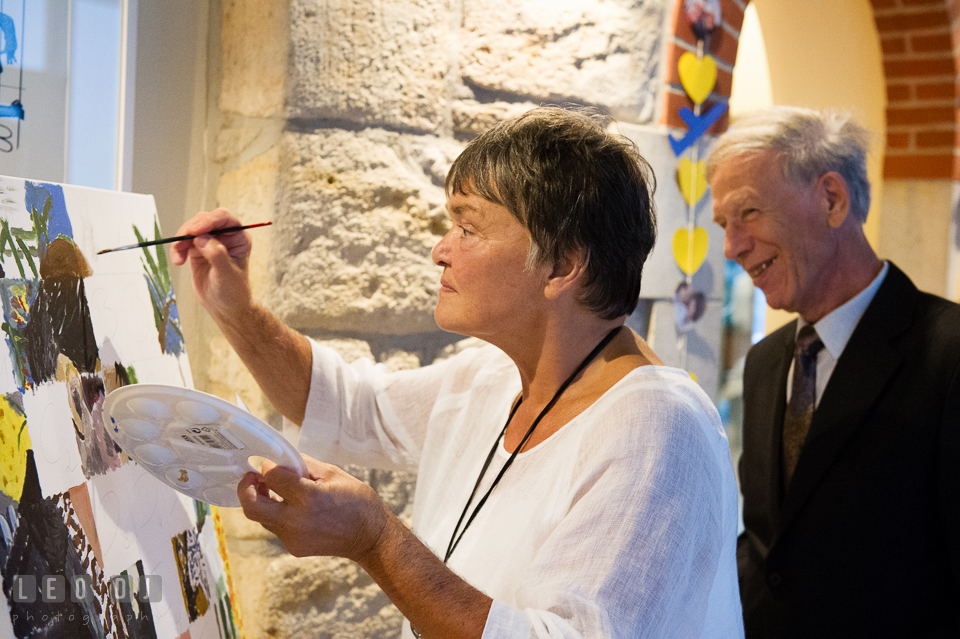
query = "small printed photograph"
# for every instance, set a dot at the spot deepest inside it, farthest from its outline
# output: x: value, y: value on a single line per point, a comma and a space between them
x: 704, y: 16
x: 688, y: 307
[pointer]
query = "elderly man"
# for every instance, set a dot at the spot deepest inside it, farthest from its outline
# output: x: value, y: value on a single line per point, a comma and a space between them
x: 851, y: 444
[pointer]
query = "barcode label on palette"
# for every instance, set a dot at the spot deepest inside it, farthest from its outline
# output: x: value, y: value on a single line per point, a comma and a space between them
x: 207, y: 436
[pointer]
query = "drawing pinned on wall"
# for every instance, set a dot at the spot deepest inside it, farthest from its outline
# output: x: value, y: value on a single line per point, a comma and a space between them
x: 74, y: 504
x: 8, y: 31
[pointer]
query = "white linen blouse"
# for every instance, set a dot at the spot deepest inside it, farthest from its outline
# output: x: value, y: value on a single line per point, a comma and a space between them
x: 621, y: 524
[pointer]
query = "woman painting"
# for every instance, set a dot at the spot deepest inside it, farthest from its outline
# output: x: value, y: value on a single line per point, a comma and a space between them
x: 569, y: 484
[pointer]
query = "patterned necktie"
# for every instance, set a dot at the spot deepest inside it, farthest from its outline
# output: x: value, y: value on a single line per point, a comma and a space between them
x: 803, y: 397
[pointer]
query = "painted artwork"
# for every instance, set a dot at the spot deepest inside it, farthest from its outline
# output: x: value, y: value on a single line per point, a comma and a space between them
x: 91, y: 545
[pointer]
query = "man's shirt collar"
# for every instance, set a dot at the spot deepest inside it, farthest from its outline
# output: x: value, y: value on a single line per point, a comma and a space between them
x: 836, y: 327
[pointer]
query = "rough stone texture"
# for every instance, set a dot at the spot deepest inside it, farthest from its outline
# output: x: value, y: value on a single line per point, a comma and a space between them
x: 373, y: 62
x: 251, y: 549
x: 349, y: 349
x: 604, y: 53
x: 397, y: 360
x: 915, y: 230
x: 249, y: 192
x: 242, y: 139
x: 472, y: 118
x: 229, y: 377
x: 254, y: 39
x: 326, y: 597
x: 458, y: 347
x: 357, y: 217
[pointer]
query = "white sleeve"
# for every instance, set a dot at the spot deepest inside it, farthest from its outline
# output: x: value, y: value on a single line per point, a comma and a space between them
x: 640, y: 549
x: 360, y: 413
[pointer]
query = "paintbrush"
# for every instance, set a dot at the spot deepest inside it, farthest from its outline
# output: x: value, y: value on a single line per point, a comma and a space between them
x: 167, y: 240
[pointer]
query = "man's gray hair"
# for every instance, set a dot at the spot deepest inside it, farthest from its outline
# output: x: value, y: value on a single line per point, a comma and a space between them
x: 808, y: 143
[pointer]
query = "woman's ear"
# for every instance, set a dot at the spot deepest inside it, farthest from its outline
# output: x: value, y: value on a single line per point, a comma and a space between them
x: 567, y: 273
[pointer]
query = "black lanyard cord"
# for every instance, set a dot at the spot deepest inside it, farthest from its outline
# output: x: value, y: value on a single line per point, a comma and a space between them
x: 455, y: 538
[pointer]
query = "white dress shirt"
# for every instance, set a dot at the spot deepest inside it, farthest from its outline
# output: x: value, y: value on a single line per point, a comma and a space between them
x: 835, y: 329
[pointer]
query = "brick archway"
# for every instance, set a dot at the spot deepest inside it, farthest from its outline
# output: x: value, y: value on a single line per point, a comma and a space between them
x: 920, y: 44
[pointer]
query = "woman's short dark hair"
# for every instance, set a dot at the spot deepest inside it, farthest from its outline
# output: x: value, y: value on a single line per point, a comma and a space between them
x: 573, y: 185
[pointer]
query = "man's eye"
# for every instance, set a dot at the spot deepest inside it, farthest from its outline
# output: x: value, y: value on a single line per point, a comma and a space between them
x: 464, y: 232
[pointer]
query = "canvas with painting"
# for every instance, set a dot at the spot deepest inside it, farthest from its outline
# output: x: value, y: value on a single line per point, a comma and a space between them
x: 75, y: 511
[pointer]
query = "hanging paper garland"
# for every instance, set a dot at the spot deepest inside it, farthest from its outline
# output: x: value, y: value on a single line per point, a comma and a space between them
x: 698, y: 76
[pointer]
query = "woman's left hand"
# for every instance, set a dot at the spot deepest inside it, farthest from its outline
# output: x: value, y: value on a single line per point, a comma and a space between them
x: 327, y: 513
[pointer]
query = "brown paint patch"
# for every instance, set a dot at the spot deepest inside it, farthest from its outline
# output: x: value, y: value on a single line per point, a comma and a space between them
x: 64, y: 259
x: 80, y: 498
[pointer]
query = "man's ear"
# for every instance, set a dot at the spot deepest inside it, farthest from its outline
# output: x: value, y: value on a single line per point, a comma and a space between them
x: 566, y: 274
x: 834, y: 194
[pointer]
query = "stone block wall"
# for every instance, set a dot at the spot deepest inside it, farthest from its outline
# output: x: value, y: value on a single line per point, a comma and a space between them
x: 338, y: 120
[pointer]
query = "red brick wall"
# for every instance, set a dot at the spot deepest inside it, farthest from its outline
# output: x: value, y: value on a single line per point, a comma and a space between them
x: 920, y: 60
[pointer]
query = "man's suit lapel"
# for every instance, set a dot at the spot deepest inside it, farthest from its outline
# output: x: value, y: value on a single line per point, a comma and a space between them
x: 861, y: 374
x: 764, y: 403
x: 772, y: 383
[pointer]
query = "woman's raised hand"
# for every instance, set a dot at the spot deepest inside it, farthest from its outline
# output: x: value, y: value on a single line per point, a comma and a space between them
x: 218, y: 263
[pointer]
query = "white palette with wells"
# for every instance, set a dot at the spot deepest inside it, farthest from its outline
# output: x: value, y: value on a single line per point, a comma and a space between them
x: 194, y: 442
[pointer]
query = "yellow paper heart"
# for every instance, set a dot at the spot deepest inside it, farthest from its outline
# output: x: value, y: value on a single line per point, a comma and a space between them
x: 697, y: 76
x: 690, y: 253
x: 692, y: 179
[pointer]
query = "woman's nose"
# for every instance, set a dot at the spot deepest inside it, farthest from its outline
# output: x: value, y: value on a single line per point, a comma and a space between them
x: 440, y: 251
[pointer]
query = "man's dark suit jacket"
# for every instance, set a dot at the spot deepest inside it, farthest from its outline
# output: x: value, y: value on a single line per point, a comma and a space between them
x: 865, y: 542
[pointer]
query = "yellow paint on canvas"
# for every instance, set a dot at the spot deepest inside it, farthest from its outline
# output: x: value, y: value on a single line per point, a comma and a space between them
x: 14, y: 444
x: 224, y: 555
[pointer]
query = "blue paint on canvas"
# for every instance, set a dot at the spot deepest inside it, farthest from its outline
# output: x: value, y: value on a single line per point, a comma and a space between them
x: 58, y: 221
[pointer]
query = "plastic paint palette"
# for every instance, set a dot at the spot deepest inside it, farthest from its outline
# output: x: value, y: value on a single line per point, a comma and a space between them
x: 192, y: 441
